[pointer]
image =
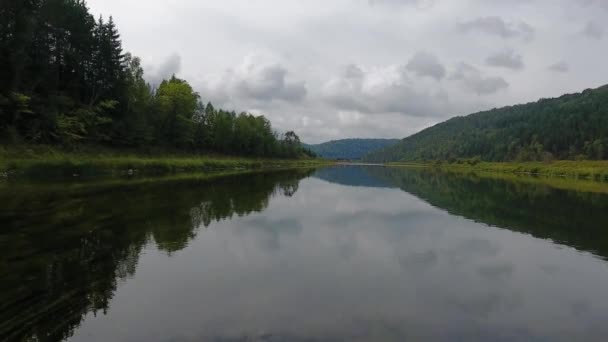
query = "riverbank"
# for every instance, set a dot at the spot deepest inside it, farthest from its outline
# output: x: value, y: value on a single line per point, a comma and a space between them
x: 43, y: 162
x: 583, y: 170
x: 586, y: 177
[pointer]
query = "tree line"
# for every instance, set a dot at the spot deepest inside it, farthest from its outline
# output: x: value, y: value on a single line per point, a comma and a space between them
x: 351, y: 149
x: 573, y: 126
x: 65, y: 80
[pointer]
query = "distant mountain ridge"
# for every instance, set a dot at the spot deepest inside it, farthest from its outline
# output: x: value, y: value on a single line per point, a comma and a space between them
x: 352, y: 149
x: 573, y: 126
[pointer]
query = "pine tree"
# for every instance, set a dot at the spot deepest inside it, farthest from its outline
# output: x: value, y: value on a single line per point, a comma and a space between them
x: 65, y: 79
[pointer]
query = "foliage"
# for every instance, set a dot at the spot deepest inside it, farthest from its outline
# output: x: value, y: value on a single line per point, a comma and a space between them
x: 84, y: 123
x: 43, y: 162
x: 351, y: 149
x: 67, y: 81
x: 588, y: 169
x: 569, y: 127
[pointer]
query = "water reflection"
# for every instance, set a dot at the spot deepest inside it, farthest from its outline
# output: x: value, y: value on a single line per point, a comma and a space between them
x: 64, y: 249
x: 574, y: 218
x: 351, y: 254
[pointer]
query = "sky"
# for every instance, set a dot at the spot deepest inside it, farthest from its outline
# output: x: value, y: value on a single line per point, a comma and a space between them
x: 332, y: 69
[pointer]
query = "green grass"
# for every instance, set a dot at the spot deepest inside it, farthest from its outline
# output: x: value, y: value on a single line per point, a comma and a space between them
x: 584, y: 170
x: 582, y: 176
x: 46, y: 162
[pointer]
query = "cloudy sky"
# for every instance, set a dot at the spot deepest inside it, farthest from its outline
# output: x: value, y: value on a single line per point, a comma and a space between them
x: 367, y: 68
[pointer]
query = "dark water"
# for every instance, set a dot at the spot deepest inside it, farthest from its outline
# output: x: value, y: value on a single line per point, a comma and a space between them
x: 337, y: 254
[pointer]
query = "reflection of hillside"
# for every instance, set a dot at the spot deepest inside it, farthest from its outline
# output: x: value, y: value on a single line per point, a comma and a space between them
x: 351, y: 176
x: 62, y: 251
x: 573, y: 218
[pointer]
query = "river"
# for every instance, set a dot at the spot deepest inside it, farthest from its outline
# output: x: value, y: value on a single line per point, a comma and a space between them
x: 346, y: 253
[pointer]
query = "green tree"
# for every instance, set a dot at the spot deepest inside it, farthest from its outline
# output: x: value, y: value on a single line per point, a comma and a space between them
x: 138, y: 103
x: 570, y: 126
x: 292, y: 146
x: 66, y: 80
x: 176, y: 104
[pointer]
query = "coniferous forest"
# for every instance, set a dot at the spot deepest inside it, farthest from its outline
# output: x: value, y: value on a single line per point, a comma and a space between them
x: 571, y: 127
x: 66, y: 81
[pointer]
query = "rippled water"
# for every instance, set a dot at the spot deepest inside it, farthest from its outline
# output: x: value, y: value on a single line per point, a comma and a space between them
x: 336, y: 254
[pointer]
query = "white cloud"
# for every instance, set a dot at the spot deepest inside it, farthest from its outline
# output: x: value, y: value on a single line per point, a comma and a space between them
x: 299, y: 80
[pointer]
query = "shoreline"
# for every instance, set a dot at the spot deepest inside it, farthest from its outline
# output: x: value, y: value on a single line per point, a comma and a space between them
x: 579, y: 170
x: 67, y: 165
x: 552, y: 176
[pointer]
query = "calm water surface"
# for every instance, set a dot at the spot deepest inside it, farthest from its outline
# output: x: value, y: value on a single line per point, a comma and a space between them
x: 336, y: 254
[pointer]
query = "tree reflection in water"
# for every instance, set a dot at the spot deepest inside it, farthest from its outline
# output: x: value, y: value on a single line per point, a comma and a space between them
x: 64, y: 248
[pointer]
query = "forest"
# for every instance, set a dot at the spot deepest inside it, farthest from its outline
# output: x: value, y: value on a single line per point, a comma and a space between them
x: 67, y: 82
x: 571, y: 127
x: 351, y: 149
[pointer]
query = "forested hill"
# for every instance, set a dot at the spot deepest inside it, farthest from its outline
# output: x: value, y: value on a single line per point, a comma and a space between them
x: 65, y: 80
x: 353, y: 149
x: 573, y: 126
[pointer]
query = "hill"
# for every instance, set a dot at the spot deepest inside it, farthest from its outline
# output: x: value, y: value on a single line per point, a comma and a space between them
x: 573, y: 126
x: 353, y: 149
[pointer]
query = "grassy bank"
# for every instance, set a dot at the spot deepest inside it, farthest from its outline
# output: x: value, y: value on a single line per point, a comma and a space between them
x: 584, y: 170
x: 44, y: 162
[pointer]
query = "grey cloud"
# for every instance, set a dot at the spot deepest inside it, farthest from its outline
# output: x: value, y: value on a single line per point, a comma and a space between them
x: 425, y: 64
x: 560, y: 67
x: 418, y: 261
x: 352, y: 71
x: 269, y: 82
x: 500, y: 271
x: 384, y: 90
x: 486, y: 304
x: 259, y: 79
x: 498, y: 26
x: 526, y: 30
x: 507, y: 2
x: 549, y: 269
x: 489, y: 85
x: 580, y: 307
x: 170, y: 66
x: 474, y: 248
x: 417, y: 3
x: 462, y: 71
x: 593, y: 30
x: 474, y: 80
x: 512, y: 2
x: 506, y: 59
x: 601, y: 3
